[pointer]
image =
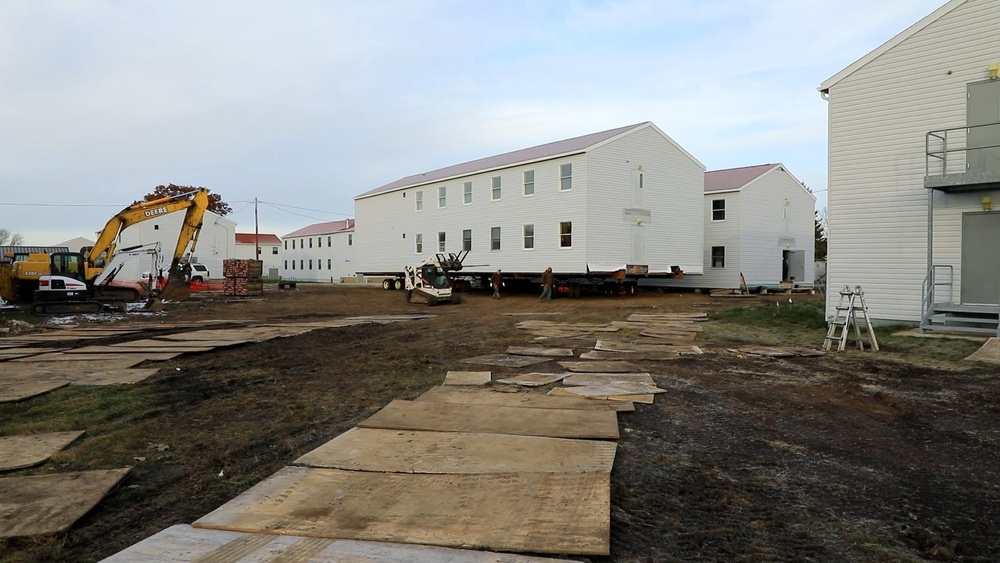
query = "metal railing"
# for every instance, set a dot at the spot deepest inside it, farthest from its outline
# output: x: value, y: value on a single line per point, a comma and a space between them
x: 946, y: 150
x: 929, y: 291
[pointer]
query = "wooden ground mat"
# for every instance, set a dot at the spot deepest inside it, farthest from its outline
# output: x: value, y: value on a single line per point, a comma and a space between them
x: 98, y: 359
x: 777, y: 352
x: 988, y: 353
x: 18, y: 388
x: 468, y: 378
x: 530, y: 512
x: 646, y: 399
x: 577, y: 379
x: 164, y: 345
x: 506, y: 360
x: 601, y: 366
x: 653, y: 356
x: 532, y: 379
x: 668, y: 317
x: 614, y: 346
x: 49, y: 504
x: 553, y: 325
x: 18, y: 452
x: 384, y: 319
x: 185, y: 543
x: 114, y: 376
x: 670, y: 336
x: 492, y: 419
x: 11, y: 352
x: 539, y: 351
x: 395, y: 451
x: 474, y: 396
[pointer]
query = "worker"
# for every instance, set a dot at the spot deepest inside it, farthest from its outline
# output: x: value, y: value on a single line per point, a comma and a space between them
x: 547, y: 281
x: 497, y: 281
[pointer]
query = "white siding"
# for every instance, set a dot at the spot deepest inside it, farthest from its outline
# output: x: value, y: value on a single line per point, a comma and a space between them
x: 387, y: 223
x: 879, y: 116
x: 718, y: 233
x: 270, y: 255
x: 765, y: 233
x: 322, y: 257
x: 216, y: 242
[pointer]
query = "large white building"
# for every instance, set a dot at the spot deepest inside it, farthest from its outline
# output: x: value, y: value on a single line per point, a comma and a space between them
x: 627, y: 196
x: 322, y: 252
x: 914, y: 169
x: 759, y: 222
x: 270, y: 251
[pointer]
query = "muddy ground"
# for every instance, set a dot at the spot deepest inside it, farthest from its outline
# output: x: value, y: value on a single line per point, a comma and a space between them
x: 848, y: 457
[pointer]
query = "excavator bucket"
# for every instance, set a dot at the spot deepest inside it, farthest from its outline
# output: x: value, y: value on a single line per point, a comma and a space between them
x: 177, y: 288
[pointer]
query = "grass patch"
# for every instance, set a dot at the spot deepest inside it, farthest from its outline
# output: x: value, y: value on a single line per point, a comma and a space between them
x: 773, y: 324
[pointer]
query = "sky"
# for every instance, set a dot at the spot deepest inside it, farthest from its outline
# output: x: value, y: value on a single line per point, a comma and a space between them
x: 304, y: 104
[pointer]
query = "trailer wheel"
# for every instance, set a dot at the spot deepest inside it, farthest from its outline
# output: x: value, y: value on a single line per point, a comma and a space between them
x: 398, y: 284
x: 386, y: 284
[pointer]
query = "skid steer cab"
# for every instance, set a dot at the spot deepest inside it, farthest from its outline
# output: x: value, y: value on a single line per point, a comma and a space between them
x: 430, y: 283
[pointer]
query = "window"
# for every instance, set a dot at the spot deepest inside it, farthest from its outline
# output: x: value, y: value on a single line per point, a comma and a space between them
x: 329, y: 264
x: 286, y: 245
x: 495, y: 238
x: 274, y: 250
x: 156, y: 227
x: 718, y: 210
x: 420, y: 201
x: 467, y: 193
x: 467, y: 239
x: 302, y: 264
x: 496, y: 187
x: 350, y: 240
x: 529, y: 182
x: 293, y: 264
x: 442, y: 196
x: 420, y: 243
x: 286, y: 264
x: 310, y: 242
x: 718, y: 256
x: 441, y: 241
x: 529, y: 237
x: 565, y: 176
x: 328, y: 241
x: 566, y: 234
x: 293, y: 244
x: 310, y: 264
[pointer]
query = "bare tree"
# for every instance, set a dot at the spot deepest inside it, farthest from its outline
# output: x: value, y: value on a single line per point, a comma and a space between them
x: 8, y: 238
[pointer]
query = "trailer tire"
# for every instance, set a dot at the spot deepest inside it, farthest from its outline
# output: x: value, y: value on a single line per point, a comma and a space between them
x: 387, y: 284
x: 398, y: 284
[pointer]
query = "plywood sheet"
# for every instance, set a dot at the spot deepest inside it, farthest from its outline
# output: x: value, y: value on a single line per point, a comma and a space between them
x: 676, y: 326
x: 553, y: 325
x: 540, y: 351
x: 988, y: 353
x: 18, y: 452
x: 557, y: 333
x: 492, y: 419
x: 529, y: 512
x: 700, y: 316
x: 532, y: 314
x: 468, y: 378
x: 575, y: 379
x: 603, y: 390
x: 532, y: 379
x: 383, y: 319
x: 670, y: 336
x: 614, y: 346
x: 777, y: 351
x: 114, y: 376
x: 653, y: 356
x: 68, y: 368
x: 505, y: 360
x: 396, y: 451
x: 103, y: 350
x: 12, y: 352
x: 601, y: 366
x: 163, y: 345
x: 573, y: 392
x: 182, y: 543
x: 475, y: 396
x: 50, y: 504
x: 97, y: 359
x: 18, y: 389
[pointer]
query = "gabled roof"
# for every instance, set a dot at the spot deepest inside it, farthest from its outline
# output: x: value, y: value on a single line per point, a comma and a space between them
x: 547, y: 151
x: 248, y: 238
x: 734, y: 178
x: 902, y: 36
x: 323, y: 228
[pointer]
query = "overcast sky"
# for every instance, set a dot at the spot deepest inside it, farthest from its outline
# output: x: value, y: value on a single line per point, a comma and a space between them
x: 305, y: 104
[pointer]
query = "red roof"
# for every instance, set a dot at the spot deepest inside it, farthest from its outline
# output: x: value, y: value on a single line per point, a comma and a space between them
x: 549, y: 150
x: 323, y: 228
x: 247, y: 238
x: 734, y: 178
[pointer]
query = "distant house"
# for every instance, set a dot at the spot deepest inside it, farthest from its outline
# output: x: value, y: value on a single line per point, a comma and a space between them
x: 270, y: 251
x: 216, y: 242
x: 598, y: 202
x: 759, y: 222
x: 320, y: 252
x: 914, y: 165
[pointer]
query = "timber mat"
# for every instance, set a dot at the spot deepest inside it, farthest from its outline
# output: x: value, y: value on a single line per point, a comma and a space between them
x: 506, y: 360
x: 49, y: 504
x: 532, y: 379
x: 152, y: 344
x: 11, y: 352
x: 601, y: 366
x: 576, y: 379
x: 468, y: 378
x: 539, y: 351
x: 652, y: 356
x: 474, y: 396
x: 175, y: 349
x: 394, y: 451
x: 27, y: 450
x: 777, y: 351
x: 529, y: 512
x: 666, y: 317
x: 613, y: 346
x: 646, y: 399
x: 17, y: 387
x: 492, y: 419
x: 988, y: 353
x: 553, y: 325
x: 184, y: 543
x: 680, y: 326
x: 97, y: 358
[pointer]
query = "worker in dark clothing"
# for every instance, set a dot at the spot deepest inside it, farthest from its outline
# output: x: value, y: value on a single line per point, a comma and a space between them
x: 496, y: 281
x: 547, y: 281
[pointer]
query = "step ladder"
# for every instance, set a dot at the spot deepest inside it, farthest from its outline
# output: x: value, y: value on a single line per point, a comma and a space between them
x: 847, y: 315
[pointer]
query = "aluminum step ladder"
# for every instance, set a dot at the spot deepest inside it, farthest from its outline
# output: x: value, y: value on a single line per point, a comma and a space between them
x: 847, y: 316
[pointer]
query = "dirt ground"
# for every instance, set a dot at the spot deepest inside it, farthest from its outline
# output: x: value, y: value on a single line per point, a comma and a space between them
x: 847, y: 457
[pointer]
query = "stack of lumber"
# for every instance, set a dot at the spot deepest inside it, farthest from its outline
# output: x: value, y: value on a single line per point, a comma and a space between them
x: 242, y: 277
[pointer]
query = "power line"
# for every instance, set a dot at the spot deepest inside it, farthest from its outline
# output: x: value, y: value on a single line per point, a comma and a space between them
x: 306, y: 209
x: 59, y: 204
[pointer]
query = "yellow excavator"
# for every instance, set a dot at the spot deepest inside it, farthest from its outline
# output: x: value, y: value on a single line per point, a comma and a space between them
x: 80, y: 282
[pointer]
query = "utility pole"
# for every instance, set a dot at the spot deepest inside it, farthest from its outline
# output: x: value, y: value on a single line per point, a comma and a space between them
x: 256, y: 231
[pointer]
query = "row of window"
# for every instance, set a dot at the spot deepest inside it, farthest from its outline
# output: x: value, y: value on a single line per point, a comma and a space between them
x: 496, y: 187
x: 319, y: 242
x: 527, y: 238
x: 302, y: 264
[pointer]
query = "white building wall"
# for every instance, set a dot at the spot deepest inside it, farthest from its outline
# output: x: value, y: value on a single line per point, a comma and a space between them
x: 270, y: 255
x: 879, y: 116
x: 673, y: 191
x: 779, y: 215
x: 387, y: 224
x: 216, y: 242
x: 325, y: 257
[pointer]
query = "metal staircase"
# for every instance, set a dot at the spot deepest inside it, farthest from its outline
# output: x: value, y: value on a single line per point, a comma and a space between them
x: 941, y: 313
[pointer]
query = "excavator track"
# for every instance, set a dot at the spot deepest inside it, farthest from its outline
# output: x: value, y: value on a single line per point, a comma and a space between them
x: 67, y: 308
